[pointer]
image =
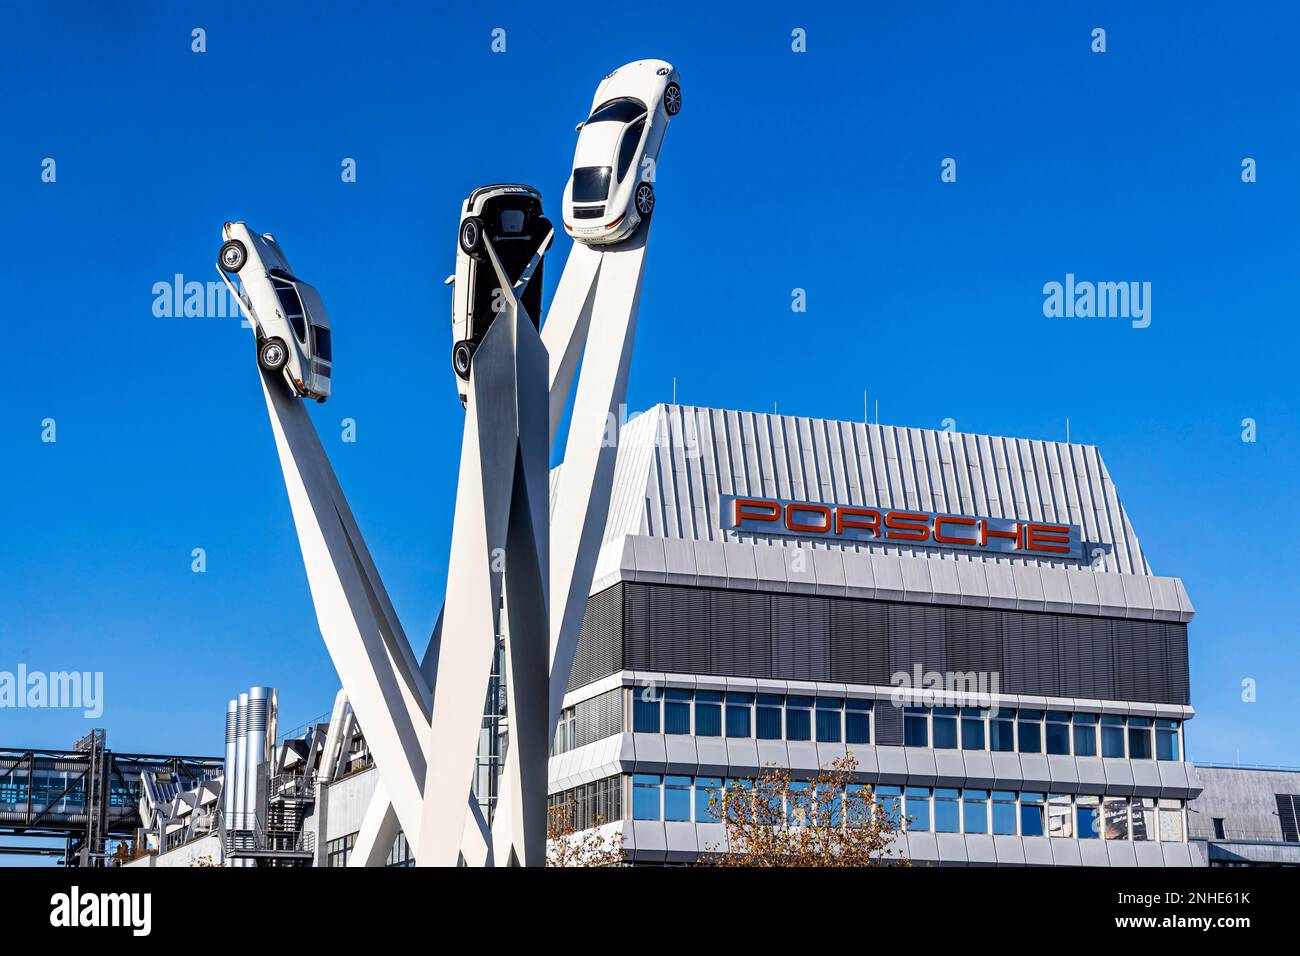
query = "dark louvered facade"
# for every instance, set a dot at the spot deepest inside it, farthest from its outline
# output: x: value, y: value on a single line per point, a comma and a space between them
x: 693, y: 630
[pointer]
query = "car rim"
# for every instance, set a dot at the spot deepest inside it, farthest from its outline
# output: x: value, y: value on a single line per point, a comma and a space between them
x: 470, y: 235
x: 232, y: 257
x: 674, y: 99
x: 273, y: 354
x: 644, y: 200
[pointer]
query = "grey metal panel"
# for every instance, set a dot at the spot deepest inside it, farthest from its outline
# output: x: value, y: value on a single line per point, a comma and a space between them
x: 1006, y: 766
x: 952, y: 848
x: 681, y: 840
x: 773, y: 753
x: 1065, y: 852
x: 1119, y: 775
x: 1038, y: 851
x: 1146, y: 778
x: 742, y: 757
x: 859, y: 642
x: 1148, y: 854
x: 803, y: 755
x: 949, y: 768
x: 679, y: 752
x: 1173, y: 779
x: 1092, y: 775
x: 868, y: 769
x: 1034, y: 772
x: 893, y: 764
x: 651, y: 755
x: 711, y: 752
x: 1176, y: 854
x: 888, y: 722
x: 979, y: 769
x: 922, y: 846
x: 801, y: 637
x: 650, y: 840
x: 1064, y: 773
x: 979, y: 850
x: 1009, y: 850
x: 1093, y: 853
x: 921, y: 770
x: 739, y: 625
x: 1121, y: 853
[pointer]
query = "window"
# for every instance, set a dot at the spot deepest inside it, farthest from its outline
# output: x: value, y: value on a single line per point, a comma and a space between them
x: 1030, y: 728
x: 975, y: 811
x: 645, y: 796
x: 708, y: 789
x: 1144, y: 818
x: 622, y: 110
x: 1167, y: 740
x: 677, y: 710
x: 1220, y: 832
x: 1288, y: 810
x: 889, y: 801
x: 1088, y: 813
x: 628, y: 151
x: 1004, y: 812
x: 945, y: 811
x: 1112, y: 735
x: 1002, y: 731
x: 917, y: 808
x: 738, y: 708
x: 1139, y: 738
x: 591, y: 183
x: 799, y: 802
x: 798, y: 722
x: 708, y: 713
x: 1059, y: 822
x: 322, y: 349
x: 1114, y: 818
x: 338, y: 851
x: 1171, y: 821
x: 828, y: 720
x: 1031, y: 814
x: 1085, y: 735
x: 972, y: 728
x: 857, y: 721
x: 677, y: 798
x: 1058, y: 732
x: 645, y: 710
x: 945, y: 728
x: 916, y: 727
x: 767, y: 717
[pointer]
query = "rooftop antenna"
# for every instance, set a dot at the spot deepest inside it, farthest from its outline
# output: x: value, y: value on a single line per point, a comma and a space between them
x: 1067, y: 429
x: 674, y: 389
x: 877, y: 411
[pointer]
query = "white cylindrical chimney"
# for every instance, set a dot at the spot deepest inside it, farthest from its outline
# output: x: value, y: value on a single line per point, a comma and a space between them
x: 241, y: 761
x: 255, y: 753
x: 228, y: 777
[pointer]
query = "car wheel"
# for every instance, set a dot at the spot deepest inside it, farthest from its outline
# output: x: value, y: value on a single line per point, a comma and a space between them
x: 232, y: 256
x: 462, y: 356
x: 471, y: 236
x: 673, y: 99
x: 272, y: 354
x: 644, y: 197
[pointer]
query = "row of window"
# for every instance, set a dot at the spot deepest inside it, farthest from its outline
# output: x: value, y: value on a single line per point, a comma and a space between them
x: 591, y: 804
x: 1033, y: 732
x: 946, y: 810
x: 704, y: 713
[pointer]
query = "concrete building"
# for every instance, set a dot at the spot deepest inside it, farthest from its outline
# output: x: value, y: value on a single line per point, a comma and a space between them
x: 1246, y: 816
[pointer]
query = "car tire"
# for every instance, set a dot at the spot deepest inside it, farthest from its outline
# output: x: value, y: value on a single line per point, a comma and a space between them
x: 673, y: 99
x: 272, y: 354
x: 232, y: 256
x: 643, y: 197
x: 462, y: 358
x: 471, y: 236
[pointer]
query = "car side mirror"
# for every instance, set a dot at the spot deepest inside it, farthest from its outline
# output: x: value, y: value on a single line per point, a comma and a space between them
x: 450, y: 279
x: 578, y: 128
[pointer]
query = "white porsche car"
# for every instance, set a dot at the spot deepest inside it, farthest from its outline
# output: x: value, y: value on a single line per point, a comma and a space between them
x: 287, y: 314
x: 610, y: 190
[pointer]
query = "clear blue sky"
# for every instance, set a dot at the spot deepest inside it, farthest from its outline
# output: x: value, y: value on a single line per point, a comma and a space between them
x: 818, y: 170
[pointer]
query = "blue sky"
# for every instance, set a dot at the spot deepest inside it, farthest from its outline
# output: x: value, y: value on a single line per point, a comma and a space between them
x: 818, y: 171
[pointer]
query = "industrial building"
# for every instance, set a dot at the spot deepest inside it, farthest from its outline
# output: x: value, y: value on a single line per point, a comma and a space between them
x: 972, y: 617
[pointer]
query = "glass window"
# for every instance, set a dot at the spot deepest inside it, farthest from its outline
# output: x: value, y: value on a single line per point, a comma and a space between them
x: 767, y: 717
x: 916, y: 727
x: 677, y: 710
x: 1167, y: 740
x: 799, y: 803
x: 645, y: 710
x: 323, y: 349
x: 1171, y: 821
x: 627, y: 152
x: 890, y: 800
x: 645, y: 796
x: 1031, y: 814
x: 708, y: 713
x: 738, y: 707
x: 972, y: 728
x: 828, y: 720
x: 1085, y: 735
x: 677, y: 798
x: 798, y: 721
x: 1144, y: 818
x: 945, y: 811
x: 1139, y: 738
x: 705, y: 790
x: 1058, y: 732
x: 1059, y: 820
x: 975, y: 811
x: 591, y: 183
x: 917, y: 808
x: 1112, y: 735
x: 945, y: 728
x: 1114, y: 818
x: 1030, y: 728
x: 857, y: 721
x: 1088, y: 813
x: 1002, y: 731
x: 622, y: 110
x: 1004, y: 812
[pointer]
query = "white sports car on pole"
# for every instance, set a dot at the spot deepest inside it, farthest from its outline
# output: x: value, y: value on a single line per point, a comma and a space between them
x: 288, y: 316
x: 510, y: 218
x: 611, y: 189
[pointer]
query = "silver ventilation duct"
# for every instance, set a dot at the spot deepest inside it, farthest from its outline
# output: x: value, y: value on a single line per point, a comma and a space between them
x: 228, y: 777
x: 255, y: 750
x: 241, y: 763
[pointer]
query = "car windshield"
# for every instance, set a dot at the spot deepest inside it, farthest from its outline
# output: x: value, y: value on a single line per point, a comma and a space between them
x: 591, y: 183
x: 622, y: 110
